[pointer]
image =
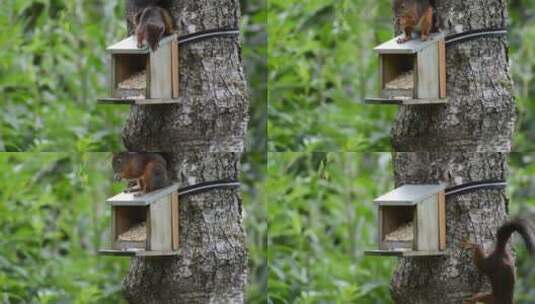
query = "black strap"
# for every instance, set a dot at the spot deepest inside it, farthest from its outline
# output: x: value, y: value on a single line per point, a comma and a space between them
x: 474, y: 34
x: 207, y: 186
x: 203, y: 35
x: 474, y: 186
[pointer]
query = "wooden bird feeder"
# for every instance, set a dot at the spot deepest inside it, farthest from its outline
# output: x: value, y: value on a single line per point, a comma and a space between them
x: 139, y: 76
x: 145, y: 225
x: 413, y: 72
x: 412, y: 221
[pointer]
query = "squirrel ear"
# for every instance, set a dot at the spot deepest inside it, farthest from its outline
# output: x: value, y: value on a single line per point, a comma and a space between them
x: 137, y: 17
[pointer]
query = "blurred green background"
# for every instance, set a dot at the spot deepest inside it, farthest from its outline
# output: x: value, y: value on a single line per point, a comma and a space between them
x: 321, y: 66
x: 53, y: 68
x: 53, y: 220
x: 321, y: 218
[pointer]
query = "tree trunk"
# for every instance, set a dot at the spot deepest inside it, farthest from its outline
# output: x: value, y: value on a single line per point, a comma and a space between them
x: 481, y: 112
x: 474, y: 216
x: 479, y: 117
x: 204, y: 135
x: 213, y: 108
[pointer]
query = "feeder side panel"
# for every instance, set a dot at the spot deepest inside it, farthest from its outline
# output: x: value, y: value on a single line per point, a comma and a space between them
x: 428, y: 75
x: 160, y: 224
x: 427, y: 224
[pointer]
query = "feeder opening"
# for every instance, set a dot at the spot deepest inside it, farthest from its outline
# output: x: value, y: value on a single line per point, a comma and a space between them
x: 131, y: 75
x: 398, y: 75
x: 397, y: 231
x: 131, y: 227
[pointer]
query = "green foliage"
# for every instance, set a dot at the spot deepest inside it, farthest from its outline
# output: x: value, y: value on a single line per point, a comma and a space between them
x: 322, y: 66
x: 321, y: 218
x: 52, y: 70
x: 53, y: 222
x: 51, y: 227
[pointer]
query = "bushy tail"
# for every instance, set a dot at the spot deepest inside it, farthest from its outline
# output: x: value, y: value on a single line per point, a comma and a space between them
x: 154, y: 34
x: 521, y: 226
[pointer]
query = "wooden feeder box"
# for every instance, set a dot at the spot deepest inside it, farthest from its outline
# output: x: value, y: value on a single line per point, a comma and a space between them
x: 139, y: 76
x: 412, y: 221
x: 145, y: 225
x: 413, y: 72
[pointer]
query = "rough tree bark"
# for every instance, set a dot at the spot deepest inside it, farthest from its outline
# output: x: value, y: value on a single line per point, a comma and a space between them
x: 213, y: 108
x: 203, y: 136
x: 481, y: 112
x: 475, y: 216
x: 441, y: 143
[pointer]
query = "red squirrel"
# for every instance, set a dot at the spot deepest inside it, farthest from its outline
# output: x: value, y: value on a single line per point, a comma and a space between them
x: 151, y: 24
x: 413, y: 15
x: 147, y: 170
x: 499, y: 266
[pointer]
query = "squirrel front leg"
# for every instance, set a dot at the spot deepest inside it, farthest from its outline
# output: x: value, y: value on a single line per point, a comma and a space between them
x: 486, y: 298
x: 407, y: 35
x: 168, y: 21
x: 426, y: 23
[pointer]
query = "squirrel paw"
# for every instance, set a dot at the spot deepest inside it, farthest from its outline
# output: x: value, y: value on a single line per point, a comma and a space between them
x: 467, y: 244
x: 403, y: 40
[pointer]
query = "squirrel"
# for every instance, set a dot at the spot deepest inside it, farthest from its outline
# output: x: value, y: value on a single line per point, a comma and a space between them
x: 498, y: 266
x: 412, y: 15
x: 151, y: 24
x: 147, y: 171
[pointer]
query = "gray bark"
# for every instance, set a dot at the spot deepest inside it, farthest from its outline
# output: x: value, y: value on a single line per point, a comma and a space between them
x: 211, y: 267
x: 480, y: 117
x: 481, y: 112
x: 213, y: 111
x: 204, y: 135
x: 474, y: 216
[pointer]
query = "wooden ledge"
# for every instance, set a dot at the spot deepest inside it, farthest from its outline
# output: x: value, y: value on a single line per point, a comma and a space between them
x: 139, y: 253
x: 386, y: 101
x: 128, y: 101
x: 404, y: 253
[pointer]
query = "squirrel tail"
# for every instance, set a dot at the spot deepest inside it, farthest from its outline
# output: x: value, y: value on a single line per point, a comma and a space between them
x: 521, y: 226
x: 154, y: 33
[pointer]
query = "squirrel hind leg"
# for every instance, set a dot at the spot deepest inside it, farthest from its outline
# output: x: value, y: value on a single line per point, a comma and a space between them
x: 486, y: 298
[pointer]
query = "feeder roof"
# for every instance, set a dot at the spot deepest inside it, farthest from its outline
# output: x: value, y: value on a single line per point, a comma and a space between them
x: 409, y: 195
x: 410, y: 47
x: 129, y: 45
x: 128, y: 199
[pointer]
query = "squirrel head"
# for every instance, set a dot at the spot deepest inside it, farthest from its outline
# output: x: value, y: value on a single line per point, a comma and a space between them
x: 118, y: 163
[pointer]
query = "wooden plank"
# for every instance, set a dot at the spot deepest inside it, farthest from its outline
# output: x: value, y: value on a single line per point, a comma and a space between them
x: 411, y: 47
x: 380, y: 228
x: 404, y: 253
x: 113, y: 252
x: 157, y: 253
x: 427, y: 237
x: 113, y: 233
x: 128, y: 101
x: 175, y: 216
x: 175, y: 67
x: 442, y: 220
x: 428, y: 82
x: 160, y: 224
x: 384, y: 101
x: 425, y: 101
x: 442, y: 67
x: 129, y: 199
x: 160, y: 73
x: 381, y: 72
x: 129, y: 45
x: 409, y: 194
x: 408, y: 102
x: 111, y: 76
